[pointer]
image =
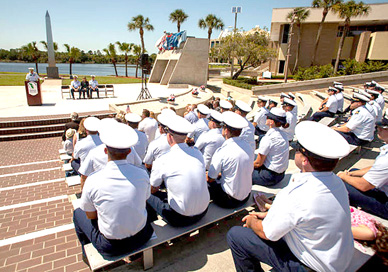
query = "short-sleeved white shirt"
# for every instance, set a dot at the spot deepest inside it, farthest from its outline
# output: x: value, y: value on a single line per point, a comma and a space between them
x: 274, y: 145
x: 199, y: 127
x: 378, y: 111
x: 75, y: 84
x: 234, y: 160
x: 261, y: 118
x: 97, y: 159
x: 82, y: 148
x: 191, y: 117
x: 142, y: 144
x: 156, y: 148
x: 118, y: 193
x: 149, y: 126
x: 248, y: 134
x: 93, y: 83
x: 312, y: 215
x: 291, y: 120
x: 380, y: 101
x: 362, y: 124
x: 208, y: 143
x: 68, y: 146
x: 332, y: 103
x: 183, y: 172
x: 32, y: 77
x: 340, y: 99
x: 295, y: 110
x: 378, y: 174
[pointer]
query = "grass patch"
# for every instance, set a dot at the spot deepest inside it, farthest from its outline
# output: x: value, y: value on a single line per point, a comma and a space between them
x: 245, y: 83
x: 17, y: 79
x: 213, y: 66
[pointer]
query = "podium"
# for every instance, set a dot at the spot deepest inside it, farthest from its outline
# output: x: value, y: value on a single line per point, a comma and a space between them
x: 33, y: 93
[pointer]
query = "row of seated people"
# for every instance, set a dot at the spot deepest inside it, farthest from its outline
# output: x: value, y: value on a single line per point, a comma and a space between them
x: 221, y: 166
x: 84, y: 87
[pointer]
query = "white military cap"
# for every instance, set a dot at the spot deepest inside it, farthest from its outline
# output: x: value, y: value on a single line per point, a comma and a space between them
x: 289, y: 102
x: 291, y: 95
x: 168, y: 112
x: 75, y: 76
x: 225, y: 104
x: 178, y: 124
x: 234, y: 120
x: 379, y: 87
x: 320, y: 140
x: 92, y: 123
x: 243, y: 106
x: 93, y: 76
x: 284, y: 95
x: 216, y: 116
x: 262, y: 98
x: 338, y: 83
x: 106, y: 123
x: 359, y: 97
x: 203, y: 109
x: 372, y: 92
x: 118, y: 135
x: 163, y: 118
x: 132, y: 117
x: 339, y: 87
x: 365, y: 93
x: 31, y: 68
x: 277, y: 114
x: 332, y: 89
x: 373, y: 83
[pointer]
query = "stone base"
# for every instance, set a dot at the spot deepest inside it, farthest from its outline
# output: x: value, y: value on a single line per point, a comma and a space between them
x: 52, y: 72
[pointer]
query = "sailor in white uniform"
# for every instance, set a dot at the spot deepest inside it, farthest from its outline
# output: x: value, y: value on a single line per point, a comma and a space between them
x: 379, y: 111
x: 248, y: 132
x: 148, y: 125
x: 260, y: 118
x: 133, y: 121
x: 295, y: 109
x: 200, y: 126
x: 292, y: 119
x: 225, y: 105
x: 32, y: 76
x: 329, y: 106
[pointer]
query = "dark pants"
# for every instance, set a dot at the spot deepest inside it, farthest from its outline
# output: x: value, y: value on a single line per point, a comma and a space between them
x: 222, y: 199
x: 261, y: 134
x: 157, y: 203
x: 72, y: 93
x: 84, y: 91
x: 76, y: 164
x: 91, y: 93
x: 352, y: 139
x: 266, y: 177
x: 88, y: 232
x: 373, y: 201
x: 249, y: 250
x: 317, y: 116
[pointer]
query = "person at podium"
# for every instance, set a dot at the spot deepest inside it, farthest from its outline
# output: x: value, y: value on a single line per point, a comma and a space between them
x: 32, y: 76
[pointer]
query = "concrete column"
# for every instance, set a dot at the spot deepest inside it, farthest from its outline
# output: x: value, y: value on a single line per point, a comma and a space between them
x: 362, y: 47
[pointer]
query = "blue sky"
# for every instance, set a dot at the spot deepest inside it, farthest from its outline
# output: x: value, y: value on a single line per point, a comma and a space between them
x: 93, y: 24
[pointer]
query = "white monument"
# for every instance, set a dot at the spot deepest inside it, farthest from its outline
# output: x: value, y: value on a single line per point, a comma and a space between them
x: 52, y: 70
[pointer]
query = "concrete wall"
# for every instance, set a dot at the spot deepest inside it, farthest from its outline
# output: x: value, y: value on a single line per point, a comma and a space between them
x: 362, y: 47
x: 378, y: 46
x: 168, y: 72
x: 158, y: 70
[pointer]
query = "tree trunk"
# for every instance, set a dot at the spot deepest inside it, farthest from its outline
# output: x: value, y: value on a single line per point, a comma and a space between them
x: 341, y: 44
x: 126, y: 65
x: 179, y: 27
x: 209, y: 34
x: 114, y: 65
x: 142, y: 40
x: 324, y: 14
x: 137, y: 67
x: 297, y: 49
x: 36, y: 66
x: 71, y: 75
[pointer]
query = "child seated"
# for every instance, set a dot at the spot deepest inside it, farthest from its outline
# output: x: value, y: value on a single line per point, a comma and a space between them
x: 68, y: 144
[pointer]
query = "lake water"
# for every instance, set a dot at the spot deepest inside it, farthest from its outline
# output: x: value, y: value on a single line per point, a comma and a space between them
x: 78, y: 68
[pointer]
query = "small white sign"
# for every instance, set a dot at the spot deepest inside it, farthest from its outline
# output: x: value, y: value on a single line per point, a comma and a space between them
x: 32, y: 88
x: 267, y: 74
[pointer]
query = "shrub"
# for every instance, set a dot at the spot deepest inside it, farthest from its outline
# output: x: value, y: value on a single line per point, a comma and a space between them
x: 374, y: 66
x: 237, y: 83
x: 350, y: 67
x: 326, y: 71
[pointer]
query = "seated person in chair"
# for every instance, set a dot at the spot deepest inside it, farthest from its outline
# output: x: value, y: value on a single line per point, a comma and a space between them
x: 75, y: 86
x: 84, y: 88
x: 93, y: 87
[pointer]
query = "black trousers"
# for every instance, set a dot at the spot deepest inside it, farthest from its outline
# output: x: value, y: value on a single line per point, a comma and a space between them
x: 222, y: 199
x: 352, y: 139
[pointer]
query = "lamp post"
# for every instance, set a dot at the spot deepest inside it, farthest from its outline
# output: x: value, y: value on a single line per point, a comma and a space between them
x: 235, y: 10
x: 289, y: 47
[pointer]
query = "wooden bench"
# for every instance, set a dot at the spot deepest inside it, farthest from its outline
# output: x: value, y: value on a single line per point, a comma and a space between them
x: 328, y: 121
x: 106, y: 89
x: 65, y: 89
x: 109, y: 89
x: 164, y: 233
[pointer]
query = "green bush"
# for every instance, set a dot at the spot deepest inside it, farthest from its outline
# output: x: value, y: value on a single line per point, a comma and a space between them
x: 374, y: 66
x: 325, y: 71
x: 282, y: 77
x: 351, y: 67
x: 238, y: 83
x: 307, y: 73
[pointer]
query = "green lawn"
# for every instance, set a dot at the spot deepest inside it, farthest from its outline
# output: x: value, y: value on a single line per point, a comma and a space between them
x: 17, y: 79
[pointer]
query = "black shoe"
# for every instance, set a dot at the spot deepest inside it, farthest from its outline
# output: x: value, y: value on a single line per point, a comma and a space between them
x: 85, y: 260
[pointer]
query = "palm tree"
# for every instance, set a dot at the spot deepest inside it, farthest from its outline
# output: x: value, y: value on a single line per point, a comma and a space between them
x: 178, y: 16
x: 301, y: 15
x: 73, y: 53
x: 327, y: 5
x: 126, y: 48
x: 32, y: 50
x: 211, y: 22
x: 110, y: 51
x: 137, y: 52
x: 45, y: 45
x: 346, y: 11
x: 140, y: 23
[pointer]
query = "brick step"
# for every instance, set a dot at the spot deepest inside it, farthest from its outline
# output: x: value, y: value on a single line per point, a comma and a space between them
x: 32, y: 129
x: 15, y: 137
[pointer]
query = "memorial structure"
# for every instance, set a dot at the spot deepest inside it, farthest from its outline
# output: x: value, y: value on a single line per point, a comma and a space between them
x: 52, y: 70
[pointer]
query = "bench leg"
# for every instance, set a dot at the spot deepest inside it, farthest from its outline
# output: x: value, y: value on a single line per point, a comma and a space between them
x: 358, y: 150
x: 148, y: 259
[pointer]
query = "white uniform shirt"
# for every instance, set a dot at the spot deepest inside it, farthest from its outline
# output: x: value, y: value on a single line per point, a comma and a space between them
x: 93, y: 83
x: 332, y: 103
x: 156, y: 148
x: 248, y: 134
x: 199, y: 127
x: 340, y: 100
x: 295, y: 110
x: 32, y: 77
x: 142, y: 144
x: 97, y: 159
x: 183, y: 172
x: 378, y: 111
x: 75, y: 84
x: 261, y: 118
x: 234, y: 160
x: 68, y: 146
x: 362, y: 124
x: 378, y: 174
x: 118, y: 193
x: 208, y: 143
x: 274, y: 145
x: 312, y: 215
x: 191, y: 117
x: 82, y: 148
x: 149, y: 126
x: 380, y: 101
x: 291, y: 120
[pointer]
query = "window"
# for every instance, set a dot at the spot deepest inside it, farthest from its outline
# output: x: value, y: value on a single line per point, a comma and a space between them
x: 286, y: 30
x: 281, y: 66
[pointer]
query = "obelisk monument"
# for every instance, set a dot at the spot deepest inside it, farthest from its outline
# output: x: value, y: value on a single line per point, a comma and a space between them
x: 52, y: 70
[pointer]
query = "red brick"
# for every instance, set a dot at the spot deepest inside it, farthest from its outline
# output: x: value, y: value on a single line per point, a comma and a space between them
x: 44, y: 216
x: 29, y: 263
x: 31, y: 248
x: 41, y: 268
x: 73, y: 251
x: 22, y: 244
x: 5, y: 248
x: 66, y: 245
x: 45, y: 226
x: 18, y: 258
x: 8, y: 268
x: 65, y: 233
x: 65, y: 261
x: 12, y: 252
x: 43, y: 251
x: 71, y: 238
x: 55, y: 242
x: 36, y: 222
x: 25, y: 230
x: 63, y: 221
x: 44, y: 238
x: 60, y: 269
x: 54, y: 256
x: 75, y: 267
